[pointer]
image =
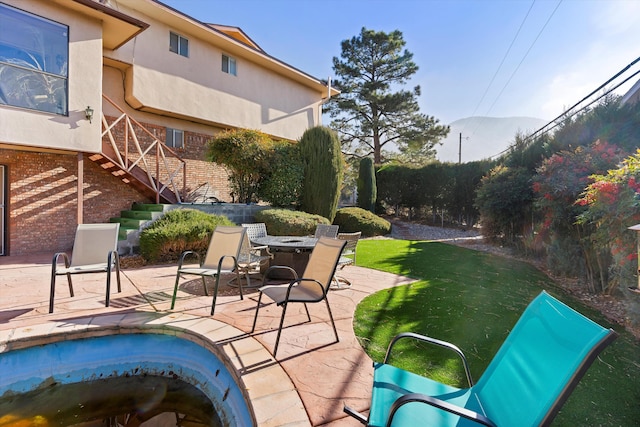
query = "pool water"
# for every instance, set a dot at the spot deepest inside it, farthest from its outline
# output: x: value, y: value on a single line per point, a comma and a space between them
x: 126, y: 401
x: 95, y: 371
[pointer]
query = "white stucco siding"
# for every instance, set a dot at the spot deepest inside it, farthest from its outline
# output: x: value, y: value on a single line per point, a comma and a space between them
x: 195, y: 86
x: 255, y: 99
x: 47, y: 130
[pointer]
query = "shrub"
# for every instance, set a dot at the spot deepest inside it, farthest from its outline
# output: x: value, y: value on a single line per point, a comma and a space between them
x: 351, y: 220
x: 324, y: 171
x: 504, y: 201
x: 285, y: 222
x: 247, y: 154
x: 179, y: 230
x: 367, y: 191
x: 283, y: 185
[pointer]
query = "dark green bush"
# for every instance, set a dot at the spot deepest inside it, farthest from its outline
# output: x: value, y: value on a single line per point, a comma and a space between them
x: 282, y: 187
x: 247, y: 155
x: 351, y: 220
x: 179, y: 230
x: 324, y: 171
x: 285, y: 222
x: 367, y: 192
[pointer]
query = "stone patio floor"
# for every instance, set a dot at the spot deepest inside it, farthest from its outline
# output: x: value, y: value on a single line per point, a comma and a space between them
x: 307, y: 385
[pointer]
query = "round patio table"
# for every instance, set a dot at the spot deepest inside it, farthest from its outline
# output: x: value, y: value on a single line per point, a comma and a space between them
x: 287, y: 243
x: 292, y: 251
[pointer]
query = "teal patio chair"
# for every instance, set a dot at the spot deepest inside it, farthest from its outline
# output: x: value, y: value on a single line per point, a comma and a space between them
x: 527, y: 382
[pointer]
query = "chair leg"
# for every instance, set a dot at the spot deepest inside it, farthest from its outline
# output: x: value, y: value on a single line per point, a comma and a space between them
x: 117, y: 263
x: 215, y: 293
x: 204, y: 283
x: 53, y: 291
x: 284, y: 310
x: 175, y: 290
x: 70, y: 285
x: 248, y: 280
x: 335, y: 331
x: 307, y: 310
x: 240, y: 282
x: 106, y: 300
x: 255, y: 318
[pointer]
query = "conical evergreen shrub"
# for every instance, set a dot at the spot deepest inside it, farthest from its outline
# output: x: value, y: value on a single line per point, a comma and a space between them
x: 367, y: 191
x: 324, y: 171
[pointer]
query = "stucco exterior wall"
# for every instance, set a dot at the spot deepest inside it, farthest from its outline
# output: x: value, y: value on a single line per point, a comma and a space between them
x: 46, y: 130
x: 196, y: 86
x: 210, y: 178
x: 157, y: 88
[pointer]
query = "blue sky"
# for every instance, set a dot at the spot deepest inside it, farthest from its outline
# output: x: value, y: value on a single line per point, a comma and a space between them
x: 564, y: 49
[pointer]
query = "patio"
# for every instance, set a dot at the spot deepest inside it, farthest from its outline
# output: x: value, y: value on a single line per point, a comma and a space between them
x: 309, y: 383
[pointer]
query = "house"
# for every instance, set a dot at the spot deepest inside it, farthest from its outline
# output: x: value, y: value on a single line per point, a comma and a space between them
x: 107, y: 103
x: 632, y: 95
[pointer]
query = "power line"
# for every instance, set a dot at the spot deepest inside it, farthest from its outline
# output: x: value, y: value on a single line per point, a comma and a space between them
x: 520, y: 63
x: 524, y: 57
x: 503, y: 59
x: 570, y: 112
x: 564, y: 114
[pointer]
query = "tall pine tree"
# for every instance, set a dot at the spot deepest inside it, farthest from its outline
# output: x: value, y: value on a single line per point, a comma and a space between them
x: 368, y: 114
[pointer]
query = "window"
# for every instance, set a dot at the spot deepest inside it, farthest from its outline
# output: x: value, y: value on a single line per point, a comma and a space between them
x: 34, y: 53
x: 229, y: 65
x: 178, y: 44
x: 175, y: 138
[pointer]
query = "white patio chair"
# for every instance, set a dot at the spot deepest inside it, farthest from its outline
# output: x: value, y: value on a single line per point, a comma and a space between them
x: 95, y: 250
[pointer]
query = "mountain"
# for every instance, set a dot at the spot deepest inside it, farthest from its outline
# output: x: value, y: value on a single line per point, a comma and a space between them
x: 484, y: 137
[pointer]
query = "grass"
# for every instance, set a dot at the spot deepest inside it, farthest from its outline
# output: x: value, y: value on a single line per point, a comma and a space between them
x: 473, y: 299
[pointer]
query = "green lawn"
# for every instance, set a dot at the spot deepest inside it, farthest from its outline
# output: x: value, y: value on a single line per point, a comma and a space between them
x: 473, y: 299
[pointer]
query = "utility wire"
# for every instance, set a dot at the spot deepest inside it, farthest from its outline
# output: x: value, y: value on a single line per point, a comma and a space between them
x: 502, y: 62
x: 568, y: 113
x: 591, y: 94
x: 519, y: 64
x: 524, y: 57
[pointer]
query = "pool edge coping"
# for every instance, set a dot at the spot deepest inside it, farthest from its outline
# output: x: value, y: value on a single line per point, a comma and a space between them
x: 256, y: 371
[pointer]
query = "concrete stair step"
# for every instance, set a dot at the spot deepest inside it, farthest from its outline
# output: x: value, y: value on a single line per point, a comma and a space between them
x: 150, y: 207
x: 131, y: 223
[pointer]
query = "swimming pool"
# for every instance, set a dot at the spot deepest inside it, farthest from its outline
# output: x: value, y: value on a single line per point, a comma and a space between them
x: 268, y: 391
x: 123, y: 356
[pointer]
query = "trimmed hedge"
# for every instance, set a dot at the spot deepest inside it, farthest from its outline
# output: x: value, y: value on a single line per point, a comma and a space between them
x: 177, y: 231
x: 285, y: 222
x: 353, y: 219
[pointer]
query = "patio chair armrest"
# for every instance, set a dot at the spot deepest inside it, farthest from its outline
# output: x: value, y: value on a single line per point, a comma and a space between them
x: 261, y: 249
x: 302, y: 279
x: 222, y: 258
x: 56, y: 259
x: 440, y: 404
x: 294, y: 275
x: 314, y: 281
x: 184, y: 254
x: 434, y: 341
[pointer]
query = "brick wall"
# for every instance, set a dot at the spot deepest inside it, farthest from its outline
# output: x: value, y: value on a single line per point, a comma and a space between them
x: 42, y: 199
x: 42, y: 195
x: 208, y: 177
